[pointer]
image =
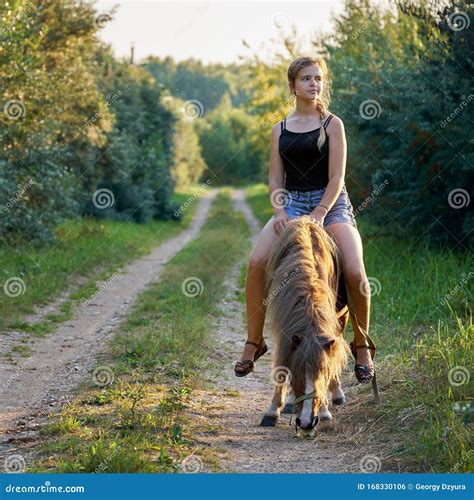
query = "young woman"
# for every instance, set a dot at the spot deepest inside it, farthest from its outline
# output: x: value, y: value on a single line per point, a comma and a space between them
x: 307, y: 165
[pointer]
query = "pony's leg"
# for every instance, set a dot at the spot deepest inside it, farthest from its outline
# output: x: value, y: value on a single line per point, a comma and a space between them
x: 271, y: 415
x: 290, y: 399
x: 337, y: 394
x: 338, y: 398
x: 324, y: 414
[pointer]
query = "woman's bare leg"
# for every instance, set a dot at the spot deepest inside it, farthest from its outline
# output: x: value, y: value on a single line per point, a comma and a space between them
x: 255, y: 289
x: 349, y: 242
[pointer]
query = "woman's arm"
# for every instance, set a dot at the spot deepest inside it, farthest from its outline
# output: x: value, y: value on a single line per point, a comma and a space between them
x: 276, y: 171
x: 276, y: 182
x: 337, y: 165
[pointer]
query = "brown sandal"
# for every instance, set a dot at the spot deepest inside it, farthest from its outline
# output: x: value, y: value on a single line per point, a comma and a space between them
x: 364, y: 374
x: 247, y: 365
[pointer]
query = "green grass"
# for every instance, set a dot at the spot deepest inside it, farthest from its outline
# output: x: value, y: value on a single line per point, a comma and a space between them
x: 138, y: 423
x: 86, y: 248
x: 422, y: 325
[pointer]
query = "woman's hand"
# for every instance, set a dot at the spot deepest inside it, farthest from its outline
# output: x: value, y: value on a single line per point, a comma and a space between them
x: 318, y: 215
x: 281, y: 219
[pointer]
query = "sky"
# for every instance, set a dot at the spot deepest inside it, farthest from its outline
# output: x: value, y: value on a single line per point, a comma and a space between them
x: 211, y: 31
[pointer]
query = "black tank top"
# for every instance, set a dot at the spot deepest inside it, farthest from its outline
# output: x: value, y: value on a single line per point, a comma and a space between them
x: 306, y: 167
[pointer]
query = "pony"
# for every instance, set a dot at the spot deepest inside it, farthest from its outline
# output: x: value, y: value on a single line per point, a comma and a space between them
x: 307, y: 308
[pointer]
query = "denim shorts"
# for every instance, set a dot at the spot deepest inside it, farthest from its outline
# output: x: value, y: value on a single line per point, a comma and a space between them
x: 299, y: 203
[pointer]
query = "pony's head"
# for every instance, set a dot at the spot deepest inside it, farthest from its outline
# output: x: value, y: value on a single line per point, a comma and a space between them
x: 301, y: 287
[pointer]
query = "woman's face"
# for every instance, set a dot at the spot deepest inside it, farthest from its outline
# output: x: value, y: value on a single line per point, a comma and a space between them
x: 309, y: 82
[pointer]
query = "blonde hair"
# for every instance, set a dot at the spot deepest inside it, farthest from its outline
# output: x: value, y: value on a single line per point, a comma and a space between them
x: 322, y: 102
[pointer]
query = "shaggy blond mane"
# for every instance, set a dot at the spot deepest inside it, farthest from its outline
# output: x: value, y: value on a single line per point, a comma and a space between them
x: 301, y: 281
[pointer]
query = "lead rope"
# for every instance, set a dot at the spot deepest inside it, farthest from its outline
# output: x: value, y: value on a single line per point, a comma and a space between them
x: 299, y: 399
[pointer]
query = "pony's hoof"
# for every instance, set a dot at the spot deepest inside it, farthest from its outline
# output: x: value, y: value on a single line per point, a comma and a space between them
x: 339, y: 401
x: 325, y: 416
x: 289, y: 408
x: 268, y: 421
